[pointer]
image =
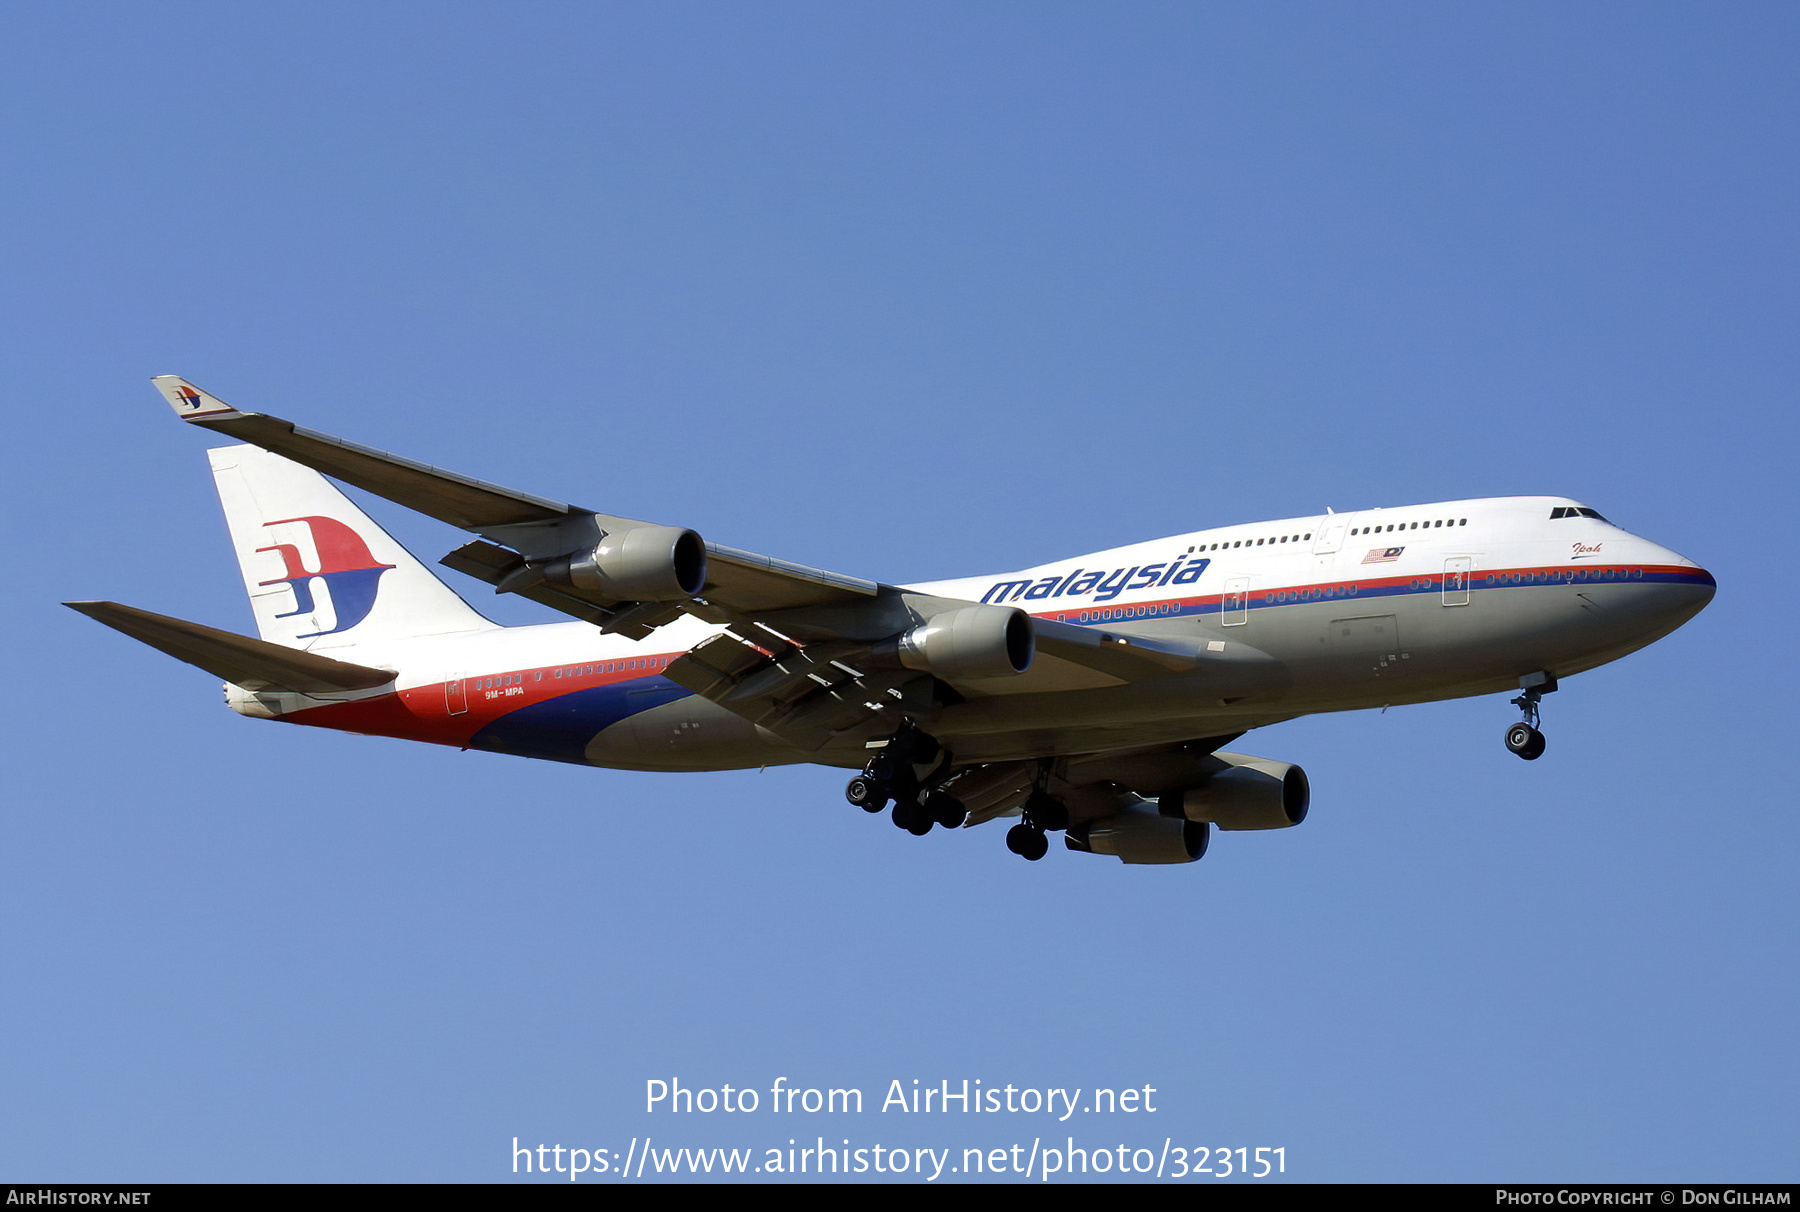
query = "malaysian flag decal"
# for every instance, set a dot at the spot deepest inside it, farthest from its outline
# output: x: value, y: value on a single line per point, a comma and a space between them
x: 1383, y: 555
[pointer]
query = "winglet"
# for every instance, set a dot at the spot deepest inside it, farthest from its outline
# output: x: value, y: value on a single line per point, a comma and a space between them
x: 190, y: 403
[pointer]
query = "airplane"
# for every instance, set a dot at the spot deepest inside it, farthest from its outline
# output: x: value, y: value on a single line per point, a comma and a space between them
x: 1093, y: 696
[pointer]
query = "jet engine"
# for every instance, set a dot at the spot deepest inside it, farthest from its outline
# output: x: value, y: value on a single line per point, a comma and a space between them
x: 1140, y: 835
x: 969, y: 642
x: 637, y: 564
x: 1250, y: 793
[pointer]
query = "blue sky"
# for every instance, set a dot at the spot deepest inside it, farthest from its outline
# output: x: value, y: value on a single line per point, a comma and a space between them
x: 909, y: 292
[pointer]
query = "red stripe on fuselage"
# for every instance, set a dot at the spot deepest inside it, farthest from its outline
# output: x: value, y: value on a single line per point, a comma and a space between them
x: 422, y: 713
x: 1429, y: 582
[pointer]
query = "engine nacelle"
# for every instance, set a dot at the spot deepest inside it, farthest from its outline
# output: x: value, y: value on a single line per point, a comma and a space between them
x: 638, y: 564
x: 1139, y: 834
x: 970, y: 642
x: 1251, y: 793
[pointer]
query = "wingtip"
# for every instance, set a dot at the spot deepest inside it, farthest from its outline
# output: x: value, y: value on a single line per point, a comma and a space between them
x: 189, y: 402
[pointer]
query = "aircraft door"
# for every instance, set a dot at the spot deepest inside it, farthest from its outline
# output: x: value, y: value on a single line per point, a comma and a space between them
x: 1234, y: 603
x: 1330, y: 535
x: 1456, y: 580
x: 456, y: 699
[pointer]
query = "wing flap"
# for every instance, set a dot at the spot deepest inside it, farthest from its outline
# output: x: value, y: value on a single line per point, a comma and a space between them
x: 807, y: 694
x: 252, y: 664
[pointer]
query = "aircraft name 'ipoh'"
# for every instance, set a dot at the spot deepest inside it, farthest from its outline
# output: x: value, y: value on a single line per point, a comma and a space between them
x: 1105, y: 586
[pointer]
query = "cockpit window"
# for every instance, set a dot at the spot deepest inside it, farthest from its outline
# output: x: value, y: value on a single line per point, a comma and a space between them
x: 1575, y: 511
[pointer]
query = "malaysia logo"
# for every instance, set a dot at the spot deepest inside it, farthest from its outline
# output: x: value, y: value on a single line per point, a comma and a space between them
x: 189, y: 397
x: 346, y: 566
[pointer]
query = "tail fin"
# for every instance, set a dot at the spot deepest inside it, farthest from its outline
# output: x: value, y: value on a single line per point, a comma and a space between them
x: 321, y: 574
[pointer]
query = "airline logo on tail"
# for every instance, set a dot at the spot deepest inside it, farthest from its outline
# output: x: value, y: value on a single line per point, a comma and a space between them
x: 346, y: 566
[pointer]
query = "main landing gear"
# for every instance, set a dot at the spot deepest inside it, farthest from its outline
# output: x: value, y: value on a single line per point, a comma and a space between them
x: 910, y: 771
x: 906, y: 772
x: 1026, y: 842
x: 1524, y: 738
x: 1042, y: 811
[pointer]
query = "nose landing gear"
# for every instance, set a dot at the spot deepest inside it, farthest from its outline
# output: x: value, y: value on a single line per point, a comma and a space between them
x: 1524, y: 738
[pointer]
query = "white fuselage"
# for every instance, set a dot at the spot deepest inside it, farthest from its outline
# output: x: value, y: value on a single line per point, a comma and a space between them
x: 1291, y: 617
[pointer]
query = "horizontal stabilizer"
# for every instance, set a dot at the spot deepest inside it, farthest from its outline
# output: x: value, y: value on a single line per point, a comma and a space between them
x: 253, y: 664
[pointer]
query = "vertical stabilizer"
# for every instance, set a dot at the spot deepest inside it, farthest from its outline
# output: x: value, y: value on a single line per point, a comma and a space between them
x: 320, y: 573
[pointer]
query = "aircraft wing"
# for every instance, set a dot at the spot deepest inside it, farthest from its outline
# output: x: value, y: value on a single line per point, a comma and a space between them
x: 520, y: 526
x: 808, y: 653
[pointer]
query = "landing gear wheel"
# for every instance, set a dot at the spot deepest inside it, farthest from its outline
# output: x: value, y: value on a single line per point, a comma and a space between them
x: 913, y: 818
x: 1015, y: 836
x: 1524, y: 738
x: 866, y: 793
x: 1027, y: 843
x: 1046, y: 812
x: 1525, y: 741
x: 945, y: 809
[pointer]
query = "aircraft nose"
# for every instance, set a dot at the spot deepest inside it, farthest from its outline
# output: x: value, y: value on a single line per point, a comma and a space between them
x: 1681, y: 590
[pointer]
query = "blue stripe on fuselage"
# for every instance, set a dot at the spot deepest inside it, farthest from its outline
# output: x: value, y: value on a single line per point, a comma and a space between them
x: 560, y: 728
x: 1356, y: 589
